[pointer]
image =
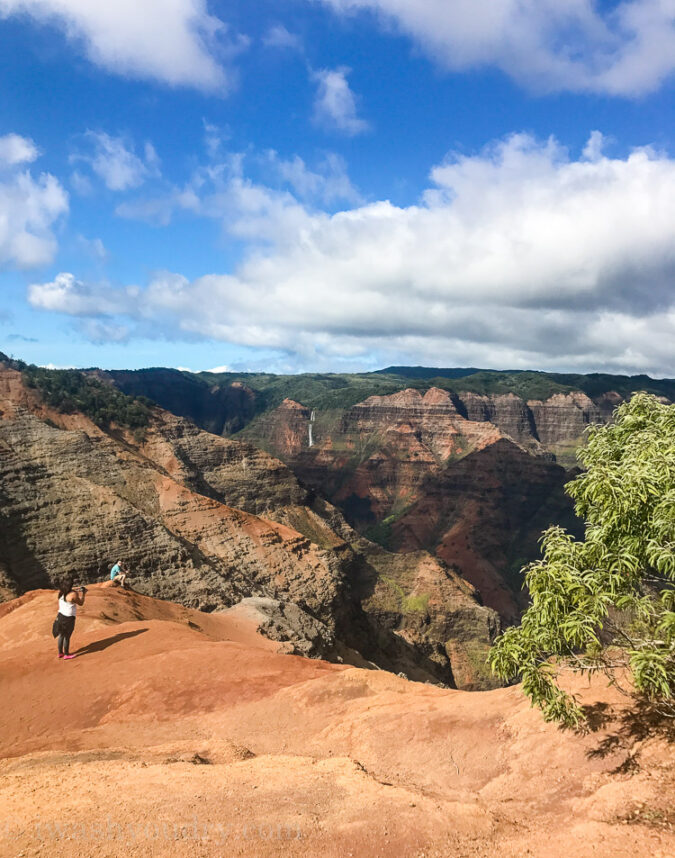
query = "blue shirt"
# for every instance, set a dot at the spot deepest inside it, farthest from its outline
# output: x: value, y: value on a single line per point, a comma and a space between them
x: 116, y: 570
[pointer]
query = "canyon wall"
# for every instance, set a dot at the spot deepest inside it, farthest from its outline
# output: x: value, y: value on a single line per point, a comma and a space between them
x: 432, y: 472
x: 394, y: 463
x: 207, y: 522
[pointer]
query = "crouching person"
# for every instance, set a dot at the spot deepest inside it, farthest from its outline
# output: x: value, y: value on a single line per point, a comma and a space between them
x: 118, y: 574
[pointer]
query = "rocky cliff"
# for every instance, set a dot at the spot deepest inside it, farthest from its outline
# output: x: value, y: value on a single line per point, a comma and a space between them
x: 545, y: 410
x: 388, y: 448
x: 221, y: 409
x: 207, y: 522
x: 431, y: 471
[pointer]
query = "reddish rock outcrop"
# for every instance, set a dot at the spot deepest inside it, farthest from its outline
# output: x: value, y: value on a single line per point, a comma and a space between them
x: 411, y: 472
x: 506, y: 411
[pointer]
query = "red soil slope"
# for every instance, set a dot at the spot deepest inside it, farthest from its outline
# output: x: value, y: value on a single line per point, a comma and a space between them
x: 175, y: 732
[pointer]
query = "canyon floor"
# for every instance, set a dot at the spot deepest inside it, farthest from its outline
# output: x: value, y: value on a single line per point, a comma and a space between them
x: 175, y: 732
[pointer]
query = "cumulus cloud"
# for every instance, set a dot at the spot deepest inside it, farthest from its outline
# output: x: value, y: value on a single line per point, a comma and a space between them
x: 66, y: 294
x: 577, y: 45
x: 327, y: 183
x: 335, y: 103
x: 15, y: 149
x: 279, y: 37
x: 114, y: 160
x: 29, y: 207
x: 519, y: 255
x: 176, y: 42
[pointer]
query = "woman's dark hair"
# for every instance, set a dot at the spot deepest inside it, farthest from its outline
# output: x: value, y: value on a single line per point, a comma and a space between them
x: 65, y: 587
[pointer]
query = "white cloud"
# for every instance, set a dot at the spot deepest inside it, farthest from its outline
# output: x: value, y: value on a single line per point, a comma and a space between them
x: 335, y: 104
x: 15, y: 149
x: 115, y: 162
x: 214, y: 139
x: 326, y: 183
x: 29, y: 207
x: 517, y: 256
x: 270, y: 207
x: 67, y: 295
x: 217, y: 369
x: 98, y: 331
x: 279, y: 37
x: 625, y: 48
x: 176, y: 42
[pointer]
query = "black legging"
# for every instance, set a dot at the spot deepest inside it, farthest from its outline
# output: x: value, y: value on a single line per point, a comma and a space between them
x: 66, y: 626
x: 63, y: 642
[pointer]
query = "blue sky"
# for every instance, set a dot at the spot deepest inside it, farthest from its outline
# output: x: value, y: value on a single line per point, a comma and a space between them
x: 338, y: 184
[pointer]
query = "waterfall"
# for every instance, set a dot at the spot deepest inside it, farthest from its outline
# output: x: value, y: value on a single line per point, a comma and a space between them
x: 311, y: 421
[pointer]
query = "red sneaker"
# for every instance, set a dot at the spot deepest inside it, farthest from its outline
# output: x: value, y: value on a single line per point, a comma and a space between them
x: 68, y: 656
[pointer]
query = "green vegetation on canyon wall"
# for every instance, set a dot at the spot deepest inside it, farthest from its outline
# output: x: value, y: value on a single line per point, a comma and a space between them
x: 69, y: 391
x: 200, y: 392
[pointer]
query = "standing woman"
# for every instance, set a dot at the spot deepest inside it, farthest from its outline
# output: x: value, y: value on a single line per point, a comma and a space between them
x: 69, y: 599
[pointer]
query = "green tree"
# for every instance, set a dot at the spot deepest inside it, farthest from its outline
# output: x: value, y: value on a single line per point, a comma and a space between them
x: 72, y: 390
x: 607, y: 602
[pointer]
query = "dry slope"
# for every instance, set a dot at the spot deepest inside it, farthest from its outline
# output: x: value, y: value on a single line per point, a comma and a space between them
x: 178, y: 733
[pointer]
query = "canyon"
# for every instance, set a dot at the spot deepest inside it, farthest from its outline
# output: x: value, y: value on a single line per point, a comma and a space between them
x: 470, y: 466
x: 411, y: 471
x: 391, y: 527
x: 242, y: 697
x: 209, y: 522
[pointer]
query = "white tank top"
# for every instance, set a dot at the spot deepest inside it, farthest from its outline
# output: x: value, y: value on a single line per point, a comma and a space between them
x: 67, y: 609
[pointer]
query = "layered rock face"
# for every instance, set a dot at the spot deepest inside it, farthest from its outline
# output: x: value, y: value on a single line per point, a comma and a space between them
x: 235, y: 473
x: 395, y: 465
x: 506, y: 411
x: 484, y: 515
x: 412, y: 472
x: 398, y: 439
x: 564, y: 417
x: 74, y: 502
x: 554, y: 424
x: 178, y: 504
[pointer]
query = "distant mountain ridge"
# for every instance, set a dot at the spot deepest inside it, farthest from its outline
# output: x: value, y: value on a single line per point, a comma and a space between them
x: 432, y: 371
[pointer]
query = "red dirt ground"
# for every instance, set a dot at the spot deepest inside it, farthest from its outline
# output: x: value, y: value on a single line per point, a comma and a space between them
x: 180, y: 733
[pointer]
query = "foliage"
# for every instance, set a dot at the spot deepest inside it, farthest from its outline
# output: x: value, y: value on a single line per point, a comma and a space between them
x: 70, y: 390
x: 397, y: 601
x: 608, y: 601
